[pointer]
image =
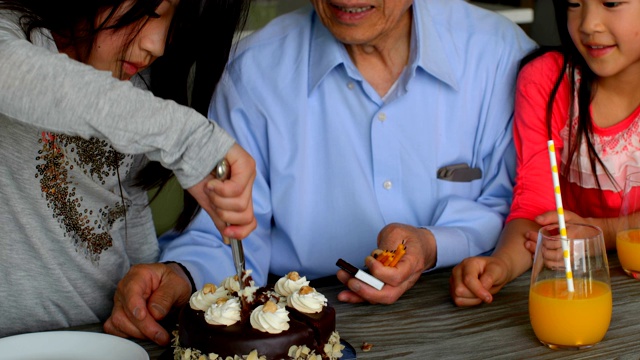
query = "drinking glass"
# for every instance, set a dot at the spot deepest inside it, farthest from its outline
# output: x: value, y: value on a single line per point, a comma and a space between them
x: 628, y: 236
x: 563, y: 319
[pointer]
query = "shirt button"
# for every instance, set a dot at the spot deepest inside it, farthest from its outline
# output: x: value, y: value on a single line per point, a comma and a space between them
x: 387, y: 185
x: 382, y: 116
x: 350, y: 85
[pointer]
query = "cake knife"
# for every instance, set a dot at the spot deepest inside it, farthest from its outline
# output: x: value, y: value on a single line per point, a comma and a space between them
x: 223, y: 173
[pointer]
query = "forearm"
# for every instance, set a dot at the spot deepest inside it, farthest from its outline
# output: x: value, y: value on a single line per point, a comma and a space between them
x: 52, y: 92
x: 609, y: 228
x: 511, y: 249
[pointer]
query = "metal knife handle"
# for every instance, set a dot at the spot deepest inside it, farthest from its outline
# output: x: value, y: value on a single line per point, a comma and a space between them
x: 222, y: 173
x: 238, y: 258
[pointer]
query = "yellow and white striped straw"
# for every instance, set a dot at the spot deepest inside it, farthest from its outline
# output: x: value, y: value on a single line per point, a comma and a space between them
x: 560, y: 209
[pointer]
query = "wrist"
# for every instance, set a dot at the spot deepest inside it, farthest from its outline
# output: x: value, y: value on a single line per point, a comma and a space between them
x: 609, y: 228
x: 431, y: 257
x: 183, y: 271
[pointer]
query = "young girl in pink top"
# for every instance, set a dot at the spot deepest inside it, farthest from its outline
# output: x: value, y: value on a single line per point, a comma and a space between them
x: 585, y: 96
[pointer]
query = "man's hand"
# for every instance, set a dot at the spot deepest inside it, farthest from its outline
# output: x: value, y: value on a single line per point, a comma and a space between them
x: 420, y: 255
x: 145, y: 296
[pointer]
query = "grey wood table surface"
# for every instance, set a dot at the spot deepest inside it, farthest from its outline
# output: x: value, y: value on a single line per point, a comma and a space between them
x: 425, y: 324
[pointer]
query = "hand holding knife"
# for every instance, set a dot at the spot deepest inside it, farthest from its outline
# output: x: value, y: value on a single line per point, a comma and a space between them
x: 222, y: 172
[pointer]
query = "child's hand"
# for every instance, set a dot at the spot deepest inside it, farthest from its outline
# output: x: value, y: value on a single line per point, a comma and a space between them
x: 230, y: 201
x: 531, y: 241
x: 551, y: 217
x: 552, y: 254
x: 476, y: 279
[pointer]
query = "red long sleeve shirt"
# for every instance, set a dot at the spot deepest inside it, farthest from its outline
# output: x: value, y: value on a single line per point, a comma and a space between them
x: 618, y: 146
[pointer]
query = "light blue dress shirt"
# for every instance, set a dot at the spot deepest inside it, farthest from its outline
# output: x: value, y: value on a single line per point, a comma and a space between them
x: 336, y: 162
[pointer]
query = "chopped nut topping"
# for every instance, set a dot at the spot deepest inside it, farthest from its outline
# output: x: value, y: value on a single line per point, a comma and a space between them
x: 221, y: 300
x: 253, y: 355
x: 270, y: 307
x: 209, y: 288
x: 293, y: 276
x: 366, y: 346
x: 306, y: 290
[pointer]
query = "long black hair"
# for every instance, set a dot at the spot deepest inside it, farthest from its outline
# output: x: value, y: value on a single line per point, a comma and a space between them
x: 201, y: 49
x: 573, y: 65
x: 196, y: 53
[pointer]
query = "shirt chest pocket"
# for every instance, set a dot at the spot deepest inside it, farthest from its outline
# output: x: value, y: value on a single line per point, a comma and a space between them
x: 465, y: 189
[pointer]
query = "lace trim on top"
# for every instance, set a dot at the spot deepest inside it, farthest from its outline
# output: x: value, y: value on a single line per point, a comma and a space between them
x: 618, y: 146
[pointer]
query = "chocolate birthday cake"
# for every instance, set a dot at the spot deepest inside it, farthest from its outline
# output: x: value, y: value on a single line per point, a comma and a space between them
x: 289, y: 320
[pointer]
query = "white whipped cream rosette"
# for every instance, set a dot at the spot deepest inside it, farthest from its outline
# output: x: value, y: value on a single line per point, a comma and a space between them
x: 290, y: 283
x: 223, y: 313
x: 231, y: 283
x: 205, y: 297
x: 307, y: 300
x: 271, y: 321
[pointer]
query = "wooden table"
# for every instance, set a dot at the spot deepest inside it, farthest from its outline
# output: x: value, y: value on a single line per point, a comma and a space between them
x: 424, y: 323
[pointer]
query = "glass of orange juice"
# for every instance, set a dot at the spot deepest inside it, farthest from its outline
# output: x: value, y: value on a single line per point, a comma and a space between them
x: 563, y: 319
x: 628, y: 237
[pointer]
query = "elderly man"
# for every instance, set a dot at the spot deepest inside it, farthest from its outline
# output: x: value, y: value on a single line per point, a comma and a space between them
x: 372, y: 124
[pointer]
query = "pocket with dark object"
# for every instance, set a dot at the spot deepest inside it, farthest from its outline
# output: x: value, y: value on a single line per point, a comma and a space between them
x: 459, y: 173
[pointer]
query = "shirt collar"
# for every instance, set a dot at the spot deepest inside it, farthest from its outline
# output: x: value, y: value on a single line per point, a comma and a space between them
x: 326, y: 52
x: 429, y: 49
x: 435, y: 43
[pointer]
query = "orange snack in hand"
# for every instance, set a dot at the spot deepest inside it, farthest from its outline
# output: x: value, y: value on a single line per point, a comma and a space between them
x: 390, y: 258
x: 400, y: 251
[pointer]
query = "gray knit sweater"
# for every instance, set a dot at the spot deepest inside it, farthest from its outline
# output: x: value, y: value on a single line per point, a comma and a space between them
x: 71, y: 224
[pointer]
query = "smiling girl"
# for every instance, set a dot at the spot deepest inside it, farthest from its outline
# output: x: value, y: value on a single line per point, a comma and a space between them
x: 75, y: 136
x: 586, y: 97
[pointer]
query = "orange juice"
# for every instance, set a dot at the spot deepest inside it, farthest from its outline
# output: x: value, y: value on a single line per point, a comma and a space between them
x: 628, y: 246
x: 570, y: 320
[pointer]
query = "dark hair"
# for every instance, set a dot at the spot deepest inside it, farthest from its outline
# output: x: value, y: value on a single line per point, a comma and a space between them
x: 201, y: 38
x: 573, y: 65
x: 73, y: 21
x: 203, y: 47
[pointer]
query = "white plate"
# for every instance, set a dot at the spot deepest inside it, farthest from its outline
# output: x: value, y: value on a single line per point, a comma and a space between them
x: 69, y: 345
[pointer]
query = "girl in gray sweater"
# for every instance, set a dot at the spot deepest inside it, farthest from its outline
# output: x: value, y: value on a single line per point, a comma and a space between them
x: 81, y: 143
